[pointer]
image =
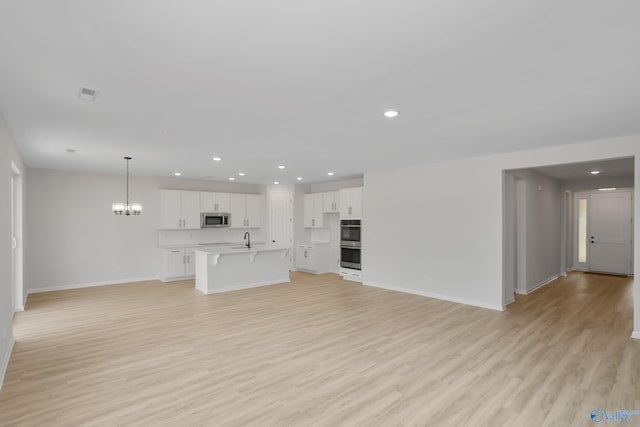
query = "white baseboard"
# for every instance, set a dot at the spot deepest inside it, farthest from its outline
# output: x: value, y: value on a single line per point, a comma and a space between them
x: 5, y: 360
x: 636, y: 335
x: 249, y: 286
x: 436, y: 296
x: 176, y: 279
x: 89, y: 284
x: 538, y: 286
x: 18, y: 309
x: 507, y: 302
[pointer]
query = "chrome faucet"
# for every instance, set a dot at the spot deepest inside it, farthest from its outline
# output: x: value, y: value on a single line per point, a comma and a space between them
x: 247, y: 237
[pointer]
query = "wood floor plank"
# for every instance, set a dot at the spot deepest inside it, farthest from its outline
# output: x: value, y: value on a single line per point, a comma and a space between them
x: 320, y: 351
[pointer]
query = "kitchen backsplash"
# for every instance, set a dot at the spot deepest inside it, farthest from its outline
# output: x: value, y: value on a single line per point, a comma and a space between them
x: 215, y: 235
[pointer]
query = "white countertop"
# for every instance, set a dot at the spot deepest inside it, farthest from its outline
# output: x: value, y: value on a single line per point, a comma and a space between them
x: 240, y: 248
x: 206, y: 245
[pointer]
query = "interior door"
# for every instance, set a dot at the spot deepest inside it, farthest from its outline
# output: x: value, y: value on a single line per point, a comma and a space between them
x: 610, y: 231
x: 282, y: 219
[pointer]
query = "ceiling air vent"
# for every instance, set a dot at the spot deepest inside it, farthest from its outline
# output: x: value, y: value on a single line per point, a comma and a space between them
x: 87, y: 94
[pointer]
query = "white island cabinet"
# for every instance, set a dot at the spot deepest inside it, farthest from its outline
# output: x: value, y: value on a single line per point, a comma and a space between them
x: 234, y: 268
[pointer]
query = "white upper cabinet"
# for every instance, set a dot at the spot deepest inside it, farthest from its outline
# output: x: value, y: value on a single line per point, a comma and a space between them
x: 313, y: 210
x: 351, y: 202
x: 214, y: 202
x: 252, y: 210
x: 179, y: 209
x: 244, y: 210
x: 331, y: 202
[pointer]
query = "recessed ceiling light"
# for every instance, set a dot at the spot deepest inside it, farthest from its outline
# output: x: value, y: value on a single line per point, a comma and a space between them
x: 594, y: 172
x: 607, y: 189
x: 391, y: 113
x: 217, y: 159
x: 299, y: 178
x: 177, y: 173
x: 281, y: 167
x: 70, y: 150
x: 231, y: 178
x: 87, y: 94
x: 330, y: 173
x: 241, y: 173
x: 276, y: 182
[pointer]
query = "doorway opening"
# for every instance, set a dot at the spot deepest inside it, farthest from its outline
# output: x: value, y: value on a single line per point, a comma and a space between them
x: 17, y: 263
x: 543, y: 222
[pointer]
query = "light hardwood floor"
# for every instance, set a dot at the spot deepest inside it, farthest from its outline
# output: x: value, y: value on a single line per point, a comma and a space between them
x: 321, y: 351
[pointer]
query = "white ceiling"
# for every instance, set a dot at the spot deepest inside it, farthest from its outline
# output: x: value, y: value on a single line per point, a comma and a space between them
x: 304, y: 84
x: 608, y: 168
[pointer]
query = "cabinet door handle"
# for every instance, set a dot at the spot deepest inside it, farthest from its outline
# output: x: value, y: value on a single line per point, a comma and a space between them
x: 305, y: 254
x: 313, y: 222
x: 216, y: 207
x: 183, y: 260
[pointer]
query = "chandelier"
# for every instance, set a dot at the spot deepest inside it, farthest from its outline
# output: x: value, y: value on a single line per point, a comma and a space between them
x: 126, y: 208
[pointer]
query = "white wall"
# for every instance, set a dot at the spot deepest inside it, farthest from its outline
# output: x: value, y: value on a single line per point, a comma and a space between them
x: 435, y: 230
x: 543, y: 207
x: 446, y: 238
x: 73, y: 238
x: 600, y: 181
x: 8, y: 153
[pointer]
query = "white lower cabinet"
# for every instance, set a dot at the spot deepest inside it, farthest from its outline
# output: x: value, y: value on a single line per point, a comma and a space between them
x: 351, y: 274
x: 313, y: 257
x: 178, y: 264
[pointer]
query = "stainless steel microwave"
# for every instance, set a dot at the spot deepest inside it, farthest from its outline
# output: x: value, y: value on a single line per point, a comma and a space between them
x: 214, y: 219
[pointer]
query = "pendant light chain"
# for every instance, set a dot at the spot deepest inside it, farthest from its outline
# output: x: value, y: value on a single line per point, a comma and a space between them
x: 128, y: 158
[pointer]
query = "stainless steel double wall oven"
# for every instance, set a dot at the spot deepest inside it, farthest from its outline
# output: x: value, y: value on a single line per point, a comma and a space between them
x: 350, y: 243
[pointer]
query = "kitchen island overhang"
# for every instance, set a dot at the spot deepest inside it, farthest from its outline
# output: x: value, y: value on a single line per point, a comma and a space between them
x: 230, y: 269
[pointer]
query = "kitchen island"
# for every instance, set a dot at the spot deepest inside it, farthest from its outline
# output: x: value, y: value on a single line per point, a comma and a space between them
x: 238, y: 267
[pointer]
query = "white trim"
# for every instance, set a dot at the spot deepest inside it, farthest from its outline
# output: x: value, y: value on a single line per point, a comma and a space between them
x: 90, y: 284
x: 18, y: 309
x: 5, y: 360
x: 177, y: 279
x: 436, y: 296
x: 539, y: 285
x: 249, y: 286
x: 507, y: 302
x: 635, y: 334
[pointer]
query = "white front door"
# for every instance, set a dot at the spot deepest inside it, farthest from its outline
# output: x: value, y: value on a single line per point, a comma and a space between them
x: 610, y: 241
x: 282, y: 219
x: 604, y: 232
